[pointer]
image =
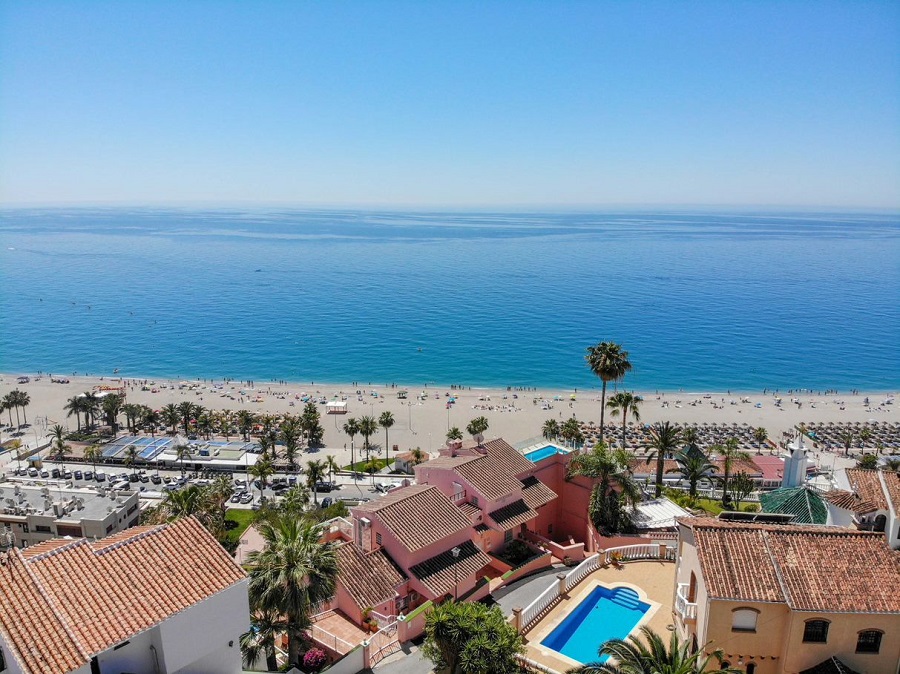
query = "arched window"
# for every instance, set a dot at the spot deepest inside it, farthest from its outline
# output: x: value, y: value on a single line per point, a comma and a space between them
x: 815, y: 632
x: 751, y: 668
x: 869, y: 641
x: 744, y: 619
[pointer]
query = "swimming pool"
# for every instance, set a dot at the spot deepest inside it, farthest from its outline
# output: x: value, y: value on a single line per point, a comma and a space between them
x: 606, y: 613
x: 543, y: 453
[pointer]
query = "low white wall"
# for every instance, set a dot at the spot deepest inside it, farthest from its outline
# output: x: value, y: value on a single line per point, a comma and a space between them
x: 351, y: 663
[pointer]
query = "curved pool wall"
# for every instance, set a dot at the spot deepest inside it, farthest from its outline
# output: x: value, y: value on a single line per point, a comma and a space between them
x: 606, y: 613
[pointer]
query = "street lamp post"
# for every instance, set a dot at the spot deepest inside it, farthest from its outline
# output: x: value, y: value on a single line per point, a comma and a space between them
x: 455, y: 552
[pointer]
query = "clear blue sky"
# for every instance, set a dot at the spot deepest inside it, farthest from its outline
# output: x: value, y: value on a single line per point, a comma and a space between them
x: 451, y: 103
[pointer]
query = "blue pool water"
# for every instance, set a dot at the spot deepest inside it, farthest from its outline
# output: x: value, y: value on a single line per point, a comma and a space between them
x: 603, y: 615
x: 542, y: 453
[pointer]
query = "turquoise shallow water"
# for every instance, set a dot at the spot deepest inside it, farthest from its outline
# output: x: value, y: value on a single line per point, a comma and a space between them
x: 603, y: 615
x: 703, y: 301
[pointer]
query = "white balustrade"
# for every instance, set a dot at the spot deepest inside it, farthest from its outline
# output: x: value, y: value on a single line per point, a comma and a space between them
x: 580, y: 572
x: 686, y: 609
x: 536, y: 608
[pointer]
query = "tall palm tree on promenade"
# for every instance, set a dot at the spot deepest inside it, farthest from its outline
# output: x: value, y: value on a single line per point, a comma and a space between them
x: 664, y: 439
x: 846, y: 436
x: 245, y: 419
x: 693, y: 466
x: 625, y: 402
x: 367, y: 428
x: 187, y: 411
x: 690, y: 436
x: 171, y: 416
x: 608, y: 361
x: 132, y: 413
x: 90, y: 407
x: 182, y: 452
x: 315, y: 471
x: 93, y: 453
x: 550, y: 429
x: 291, y: 432
x: 331, y: 465
x: 262, y: 470
x: 760, y: 434
x: 73, y: 406
x: 351, y: 428
x: 634, y: 656
x: 152, y: 418
x: 292, y: 575
x: 613, y: 485
x: 6, y: 404
x: 386, y: 420
x: 59, y: 447
x: 131, y: 457
x: 9, y: 402
x: 730, y: 452
x: 570, y: 431
x: 111, y: 406
x: 24, y: 400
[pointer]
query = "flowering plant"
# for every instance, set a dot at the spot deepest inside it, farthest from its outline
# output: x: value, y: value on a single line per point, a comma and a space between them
x: 314, y: 659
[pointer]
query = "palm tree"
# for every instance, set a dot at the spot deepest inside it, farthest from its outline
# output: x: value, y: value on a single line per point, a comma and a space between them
x: 187, y: 411
x: 690, y: 436
x: 224, y: 421
x: 90, y: 407
x: 291, y: 432
x: 570, y: 431
x: 259, y: 642
x: 608, y: 361
x: 730, y: 452
x: 664, y: 439
x: 112, y: 406
x: 351, y: 428
x: 367, y: 427
x: 206, y: 423
x: 73, y: 406
x: 632, y: 656
x: 846, y: 436
x: 760, y: 434
x: 60, y: 448
x: 386, y: 420
x: 550, y: 429
x: 93, y: 454
x: 182, y: 452
x: 477, y: 428
x: 6, y: 404
x: 331, y: 465
x: 23, y: 400
x: 419, y: 456
x: 245, y: 419
x: 624, y: 402
x: 9, y: 401
x: 454, y: 434
x: 262, y: 470
x: 609, y: 469
x: 171, y: 416
x: 892, y: 464
x: 315, y: 471
x: 693, y: 466
x: 132, y: 413
x: 131, y: 457
x: 865, y: 434
x: 292, y: 575
x: 152, y: 418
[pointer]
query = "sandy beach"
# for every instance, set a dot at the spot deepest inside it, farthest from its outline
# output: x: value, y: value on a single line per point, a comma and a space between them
x: 423, y: 418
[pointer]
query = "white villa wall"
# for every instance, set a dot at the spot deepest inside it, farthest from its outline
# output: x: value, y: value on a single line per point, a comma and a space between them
x: 136, y: 656
x: 196, y: 640
x: 838, y: 517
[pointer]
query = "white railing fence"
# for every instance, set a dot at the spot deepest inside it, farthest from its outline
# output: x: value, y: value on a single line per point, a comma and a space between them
x: 686, y: 609
x: 646, y: 551
x: 583, y: 570
x: 330, y: 640
x: 540, y: 605
x: 383, y: 642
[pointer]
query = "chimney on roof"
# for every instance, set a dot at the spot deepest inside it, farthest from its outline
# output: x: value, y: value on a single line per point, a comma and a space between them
x: 454, y: 446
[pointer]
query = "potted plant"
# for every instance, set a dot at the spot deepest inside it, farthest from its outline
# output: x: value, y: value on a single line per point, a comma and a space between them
x: 616, y: 559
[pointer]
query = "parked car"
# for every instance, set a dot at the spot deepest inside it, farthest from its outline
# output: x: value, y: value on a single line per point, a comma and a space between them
x: 45, y: 474
x: 33, y: 472
x: 240, y: 483
x: 246, y: 497
x: 67, y: 474
x: 133, y: 477
x: 325, y: 486
x: 88, y: 475
x: 78, y: 474
x: 280, y: 487
x: 326, y: 502
x: 143, y: 478
x: 100, y: 476
x: 155, y: 479
x: 55, y: 474
x: 235, y: 498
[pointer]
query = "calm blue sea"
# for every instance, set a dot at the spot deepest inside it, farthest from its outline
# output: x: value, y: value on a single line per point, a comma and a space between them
x: 703, y: 301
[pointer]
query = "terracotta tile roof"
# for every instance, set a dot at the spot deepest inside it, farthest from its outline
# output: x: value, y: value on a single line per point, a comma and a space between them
x: 506, y: 458
x: 892, y: 484
x: 514, y: 514
x: 470, y: 510
x: 867, y: 485
x: 754, y: 562
x: 536, y: 493
x: 368, y: 578
x: 849, y: 500
x: 639, y: 466
x: 438, y: 575
x: 71, y: 595
x: 485, y: 475
x: 405, y: 511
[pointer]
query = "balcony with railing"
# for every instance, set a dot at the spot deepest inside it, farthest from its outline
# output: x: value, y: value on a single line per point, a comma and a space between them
x: 685, y: 609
